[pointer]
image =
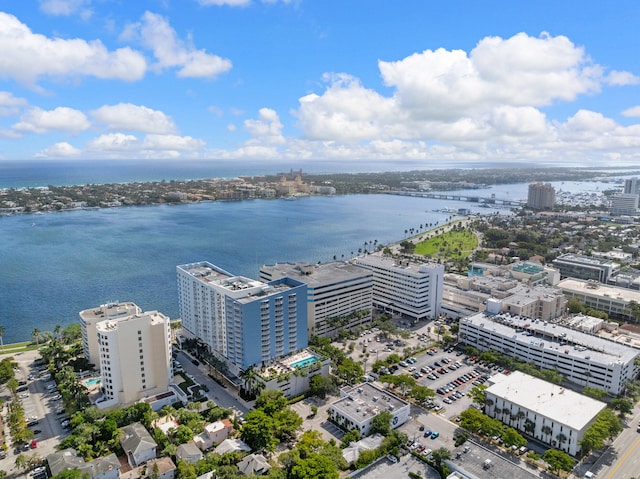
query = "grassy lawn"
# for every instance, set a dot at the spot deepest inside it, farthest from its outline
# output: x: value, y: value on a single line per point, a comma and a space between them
x: 14, y: 348
x: 449, y: 245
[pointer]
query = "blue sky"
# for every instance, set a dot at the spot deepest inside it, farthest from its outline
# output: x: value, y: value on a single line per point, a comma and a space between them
x: 460, y: 82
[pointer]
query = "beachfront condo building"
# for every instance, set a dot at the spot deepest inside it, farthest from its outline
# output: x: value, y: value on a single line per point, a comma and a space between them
x: 339, y: 294
x: 242, y: 321
x: 134, y: 357
x: 400, y: 286
x: 89, y: 318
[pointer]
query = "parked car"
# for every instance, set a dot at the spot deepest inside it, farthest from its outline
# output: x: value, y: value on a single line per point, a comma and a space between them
x: 435, y: 435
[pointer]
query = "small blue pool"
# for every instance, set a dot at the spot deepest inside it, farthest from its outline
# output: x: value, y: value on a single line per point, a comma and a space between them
x: 91, y: 382
x: 304, y: 362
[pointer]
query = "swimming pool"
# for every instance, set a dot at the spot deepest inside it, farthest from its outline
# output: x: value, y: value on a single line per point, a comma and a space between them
x: 304, y: 362
x: 91, y: 382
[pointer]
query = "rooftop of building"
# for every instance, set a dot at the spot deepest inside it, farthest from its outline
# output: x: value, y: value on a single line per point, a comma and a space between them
x: 582, y: 259
x: 242, y: 289
x: 154, y: 318
x: 399, y: 264
x: 593, y: 288
x: 289, y: 364
x: 528, y: 268
x: 554, y: 336
x: 546, y: 399
x: 110, y: 310
x: 318, y: 274
x: 365, y: 401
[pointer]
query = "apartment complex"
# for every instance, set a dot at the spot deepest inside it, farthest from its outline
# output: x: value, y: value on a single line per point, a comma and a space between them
x: 89, y: 318
x: 358, y: 405
x: 613, y: 300
x: 339, y: 294
x: 552, y: 414
x: 242, y: 321
x: 135, y: 357
x: 404, y: 287
x: 585, y: 267
x: 542, y: 196
x: 580, y: 357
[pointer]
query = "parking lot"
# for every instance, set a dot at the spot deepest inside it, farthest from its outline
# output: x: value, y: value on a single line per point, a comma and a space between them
x: 42, y: 409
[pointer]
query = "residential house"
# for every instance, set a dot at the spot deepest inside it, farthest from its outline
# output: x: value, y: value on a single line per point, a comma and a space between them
x: 137, y: 444
x: 214, y: 433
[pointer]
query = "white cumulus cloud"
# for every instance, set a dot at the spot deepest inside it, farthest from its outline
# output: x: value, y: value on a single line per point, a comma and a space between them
x: 59, y: 150
x: 113, y: 142
x: 172, y: 142
x: 26, y: 56
x: 267, y: 127
x: 66, y: 7
x: 36, y: 120
x: 633, y: 112
x: 9, y: 104
x: 155, y: 33
x: 126, y: 116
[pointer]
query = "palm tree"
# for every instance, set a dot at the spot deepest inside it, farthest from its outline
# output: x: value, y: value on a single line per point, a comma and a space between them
x: 529, y: 426
x: 1, y: 335
x: 520, y: 416
x: 57, y: 330
x: 561, y: 438
x: 36, y: 335
x: 546, y: 430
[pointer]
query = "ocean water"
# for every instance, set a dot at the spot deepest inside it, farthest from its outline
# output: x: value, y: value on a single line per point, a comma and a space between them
x: 54, y: 265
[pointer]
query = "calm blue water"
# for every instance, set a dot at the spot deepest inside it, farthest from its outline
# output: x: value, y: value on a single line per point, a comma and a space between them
x: 54, y: 265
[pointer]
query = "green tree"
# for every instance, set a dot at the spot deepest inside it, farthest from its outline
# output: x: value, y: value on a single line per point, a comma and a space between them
x: 257, y: 430
x: 558, y: 460
x: 320, y: 386
x: 381, y: 424
x: 439, y: 456
x: 622, y: 405
x: 351, y: 436
x: 271, y: 401
x: 315, y: 466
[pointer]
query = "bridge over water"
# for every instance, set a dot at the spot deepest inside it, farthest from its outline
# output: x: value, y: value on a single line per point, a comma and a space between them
x: 492, y: 200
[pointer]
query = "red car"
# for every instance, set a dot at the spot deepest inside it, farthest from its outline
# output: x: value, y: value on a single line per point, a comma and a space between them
x: 34, y: 444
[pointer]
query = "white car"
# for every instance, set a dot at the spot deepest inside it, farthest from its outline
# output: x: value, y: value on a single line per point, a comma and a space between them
x: 24, y: 395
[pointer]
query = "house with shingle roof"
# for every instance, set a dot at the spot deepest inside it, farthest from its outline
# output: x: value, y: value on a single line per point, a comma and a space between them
x: 106, y: 467
x: 137, y: 444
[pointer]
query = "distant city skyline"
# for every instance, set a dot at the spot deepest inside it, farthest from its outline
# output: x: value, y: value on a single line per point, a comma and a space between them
x: 541, y: 83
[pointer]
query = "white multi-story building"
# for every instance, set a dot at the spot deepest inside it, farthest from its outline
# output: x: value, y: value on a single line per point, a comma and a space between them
x: 243, y: 322
x: 89, y: 318
x: 408, y: 288
x: 582, y: 358
x: 135, y: 357
x: 550, y: 413
x: 613, y: 300
x: 339, y: 294
x: 358, y: 405
x: 586, y: 267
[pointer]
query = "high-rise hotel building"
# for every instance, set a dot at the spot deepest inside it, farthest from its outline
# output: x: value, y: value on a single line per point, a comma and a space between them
x: 408, y: 288
x: 242, y: 321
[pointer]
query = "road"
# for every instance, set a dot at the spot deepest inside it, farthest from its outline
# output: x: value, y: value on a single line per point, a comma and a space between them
x: 221, y: 396
x: 621, y: 460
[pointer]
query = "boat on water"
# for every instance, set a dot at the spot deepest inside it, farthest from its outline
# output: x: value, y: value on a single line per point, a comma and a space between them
x: 290, y: 198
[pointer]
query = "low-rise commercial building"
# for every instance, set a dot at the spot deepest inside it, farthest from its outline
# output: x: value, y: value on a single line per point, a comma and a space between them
x: 358, y: 405
x: 551, y: 414
x: 612, y: 300
x: 585, y: 267
x: 582, y: 358
x: 339, y: 294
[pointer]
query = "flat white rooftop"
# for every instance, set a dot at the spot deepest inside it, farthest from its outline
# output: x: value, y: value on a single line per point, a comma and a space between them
x: 549, y: 400
x: 549, y: 335
x: 599, y: 289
